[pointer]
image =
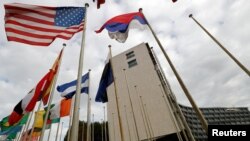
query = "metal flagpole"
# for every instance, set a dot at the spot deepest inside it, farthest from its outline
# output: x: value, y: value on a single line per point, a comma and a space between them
x: 61, y: 132
x: 49, y: 133
x: 57, y: 130
x: 136, y: 91
x: 70, y: 117
x: 27, y: 126
x: 126, y: 116
x: 93, y: 128
x: 131, y: 104
x: 173, y: 102
x: 116, y: 98
x: 24, y: 127
x: 179, y: 124
x: 51, y: 97
x: 102, y: 128
x: 33, y: 126
x: 105, y: 128
x: 184, y: 88
x: 75, y: 124
x: 171, y: 115
x: 83, y: 130
x: 19, y: 135
x: 88, y: 110
x: 222, y: 47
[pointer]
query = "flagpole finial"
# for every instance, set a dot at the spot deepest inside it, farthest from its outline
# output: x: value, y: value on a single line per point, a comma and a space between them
x: 109, y: 46
x: 89, y: 70
x: 140, y: 9
x: 190, y: 15
x: 86, y: 5
x: 64, y: 44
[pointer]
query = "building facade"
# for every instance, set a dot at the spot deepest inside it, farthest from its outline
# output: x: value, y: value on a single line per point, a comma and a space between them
x: 144, y: 111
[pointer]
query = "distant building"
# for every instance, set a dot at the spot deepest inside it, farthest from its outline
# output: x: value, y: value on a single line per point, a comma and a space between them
x: 153, y: 111
x: 215, y: 116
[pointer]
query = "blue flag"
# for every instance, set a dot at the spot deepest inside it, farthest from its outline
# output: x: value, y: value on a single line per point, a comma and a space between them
x: 106, y: 80
x: 11, y: 130
x: 69, y: 89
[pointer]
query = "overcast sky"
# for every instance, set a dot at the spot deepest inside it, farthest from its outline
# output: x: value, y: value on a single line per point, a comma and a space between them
x: 212, y: 78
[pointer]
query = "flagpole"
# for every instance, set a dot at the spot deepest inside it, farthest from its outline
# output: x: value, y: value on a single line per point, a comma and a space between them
x: 70, y: 117
x: 19, y: 135
x: 49, y: 133
x: 171, y: 115
x: 24, y: 127
x: 27, y: 126
x: 116, y: 99
x: 57, y: 130
x: 105, y: 128
x: 93, y: 128
x: 126, y: 116
x: 33, y: 127
x: 222, y: 47
x: 183, y: 86
x: 75, y: 124
x: 51, y: 96
x: 83, y: 130
x: 102, y: 128
x: 89, y: 110
x: 131, y: 104
x: 136, y: 91
x: 61, y: 132
x: 171, y: 98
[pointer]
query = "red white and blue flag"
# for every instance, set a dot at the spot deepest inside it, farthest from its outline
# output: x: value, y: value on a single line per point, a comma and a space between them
x: 118, y: 27
x: 40, y: 25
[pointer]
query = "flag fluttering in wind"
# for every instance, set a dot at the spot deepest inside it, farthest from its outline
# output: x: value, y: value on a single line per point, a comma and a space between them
x: 38, y: 121
x: 40, y: 25
x: 69, y: 89
x: 28, y: 103
x: 106, y: 80
x: 4, y: 123
x: 53, y: 71
x: 118, y: 27
x: 61, y: 109
x: 41, y: 91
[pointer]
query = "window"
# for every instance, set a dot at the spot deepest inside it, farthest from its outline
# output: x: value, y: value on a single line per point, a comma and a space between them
x: 132, y: 63
x: 130, y: 54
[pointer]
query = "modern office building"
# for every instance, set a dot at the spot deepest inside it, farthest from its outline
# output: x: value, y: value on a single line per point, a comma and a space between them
x: 147, y: 107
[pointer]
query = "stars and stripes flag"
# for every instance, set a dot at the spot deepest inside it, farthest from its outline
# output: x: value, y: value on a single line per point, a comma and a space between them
x: 40, y: 25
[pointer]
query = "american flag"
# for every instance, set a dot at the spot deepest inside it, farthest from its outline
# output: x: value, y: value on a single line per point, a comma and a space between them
x: 39, y: 25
